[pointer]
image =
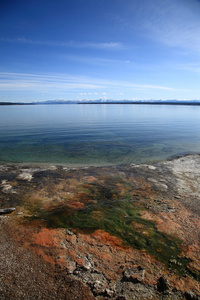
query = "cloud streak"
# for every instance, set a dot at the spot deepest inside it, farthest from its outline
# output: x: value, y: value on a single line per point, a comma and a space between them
x: 43, y: 83
x: 72, y: 44
x: 62, y: 82
x: 95, y: 60
x: 191, y: 67
x: 174, y: 23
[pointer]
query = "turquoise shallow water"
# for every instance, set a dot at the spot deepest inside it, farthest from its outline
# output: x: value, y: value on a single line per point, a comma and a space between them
x: 97, y: 134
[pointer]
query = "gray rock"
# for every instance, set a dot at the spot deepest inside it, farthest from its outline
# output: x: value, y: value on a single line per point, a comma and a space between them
x: 25, y: 176
x: 191, y: 296
x: 70, y: 267
x: 109, y: 293
x: 7, y: 210
x: 87, y: 265
x: 152, y: 167
x: 69, y: 232
x: 7, y: 188
x: 134, y: 274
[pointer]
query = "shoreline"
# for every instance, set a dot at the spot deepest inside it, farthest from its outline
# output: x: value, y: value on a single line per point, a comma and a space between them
x: 79, y: 166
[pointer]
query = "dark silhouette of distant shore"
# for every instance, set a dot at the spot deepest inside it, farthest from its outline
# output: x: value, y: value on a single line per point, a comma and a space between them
x: 159, y: 102
x: 145, y: 103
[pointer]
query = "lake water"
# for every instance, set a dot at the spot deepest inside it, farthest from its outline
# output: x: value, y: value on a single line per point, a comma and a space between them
x: 97, y: 134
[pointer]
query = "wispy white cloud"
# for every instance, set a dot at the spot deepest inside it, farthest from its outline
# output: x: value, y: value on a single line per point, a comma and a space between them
x: 73, y: 44
x: 88, y: 94
x: 106, y: 46
x: 147, y: 86
x: 175, y: 23
x: 191, y: 67
x: 33, y: 82
x: 62, y: 82
x: 95, y: 60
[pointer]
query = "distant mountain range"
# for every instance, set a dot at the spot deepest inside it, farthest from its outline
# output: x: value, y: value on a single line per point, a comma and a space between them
x: 108, y: 101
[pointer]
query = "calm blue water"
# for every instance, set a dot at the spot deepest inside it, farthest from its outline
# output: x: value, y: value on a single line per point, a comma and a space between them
x: 97, y: 134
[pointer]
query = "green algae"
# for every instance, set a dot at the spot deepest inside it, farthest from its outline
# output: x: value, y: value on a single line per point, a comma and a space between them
x: 117, y: 213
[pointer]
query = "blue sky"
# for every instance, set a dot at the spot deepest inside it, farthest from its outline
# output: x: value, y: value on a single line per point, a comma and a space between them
x: 91, y: 49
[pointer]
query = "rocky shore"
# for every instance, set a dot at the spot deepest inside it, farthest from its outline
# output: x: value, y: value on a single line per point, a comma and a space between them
x: 117, y: 232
